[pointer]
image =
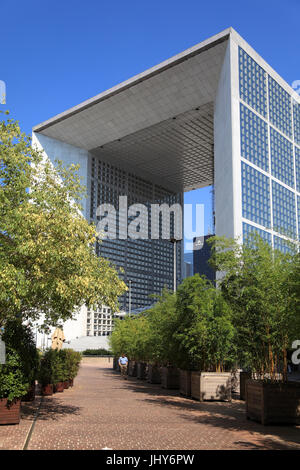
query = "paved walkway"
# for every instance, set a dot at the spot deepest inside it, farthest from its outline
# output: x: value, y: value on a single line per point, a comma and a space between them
x: 102, y: 410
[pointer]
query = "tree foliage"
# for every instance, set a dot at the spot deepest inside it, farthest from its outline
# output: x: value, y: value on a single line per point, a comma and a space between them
x: 163, y: 323
x: 190, y: 329
x: 131, y: 336
x: 47, y: 258
x: 205, y: 333
x: 262, y: 287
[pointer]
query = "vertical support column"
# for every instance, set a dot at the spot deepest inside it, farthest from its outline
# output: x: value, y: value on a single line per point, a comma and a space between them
x: 227, y: 164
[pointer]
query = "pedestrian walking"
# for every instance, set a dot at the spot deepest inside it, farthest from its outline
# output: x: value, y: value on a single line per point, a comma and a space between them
x: 123, y: 363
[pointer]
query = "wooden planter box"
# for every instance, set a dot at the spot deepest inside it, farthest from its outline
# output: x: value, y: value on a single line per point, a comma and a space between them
x: 185, y: 382
x: 66, y: 384
x: 170, y: 377
x: 268, y: 402
x: 141, y: 370
x: 9, y: 412
x: 244, y: 376
x: 211, y: 386
x: 132, y: 368
x: 154, y: 374
x: 116, y: 364
x: 30, y: 395
x: 59, y: 387
x: 47, y: 390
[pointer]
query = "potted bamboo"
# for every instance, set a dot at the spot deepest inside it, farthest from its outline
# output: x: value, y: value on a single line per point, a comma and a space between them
x: 132, y: 368
x: 46, y: 373
x: 141, y: 371
x: 262, y: 287
x: 162, y: 350
x: 205, y: 338
x: 72, y: 361
x: 170, y: 376
x: 130, y: 336
x: 58, y: 373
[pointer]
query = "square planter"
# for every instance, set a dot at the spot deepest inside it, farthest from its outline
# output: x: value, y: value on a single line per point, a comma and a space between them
x: 116, y: 364
x: 211, y: 386
x: 244, y: 376
x: 185, y: 382
x: 154, y: 374
x: 271, y: 402
x: 132, y: 368
x: 9, y: 412
x: 141, y: 370
x: 59, y: 387
x: 47, y: 390
x: 170, y: 377
x: 30, y: 395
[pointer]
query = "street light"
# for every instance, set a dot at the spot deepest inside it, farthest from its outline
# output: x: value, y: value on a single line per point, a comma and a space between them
x: 129, y: 312
x: 174, y: 241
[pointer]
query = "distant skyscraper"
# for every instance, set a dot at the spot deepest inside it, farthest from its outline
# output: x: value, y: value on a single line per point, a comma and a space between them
x: 187, y: 269
x: 188, y: 258
x: 202, y: 253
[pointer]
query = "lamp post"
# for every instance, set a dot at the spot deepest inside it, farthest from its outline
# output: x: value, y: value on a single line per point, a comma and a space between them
x: 174, y: 241
x: 129, y: 310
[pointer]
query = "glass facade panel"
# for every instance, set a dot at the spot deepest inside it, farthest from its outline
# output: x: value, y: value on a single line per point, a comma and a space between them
x: 137, y: 260
x: 250, y: 229
x: 255, y: 196
x: 280, y: 108
x: 297, y: 158
x: 253, y: 83
x: 282, y: 159
x: 284, y: 210
x: 254, y: 138
x: 283, y: 245
x: 298, y: 205
x: 296, y: 109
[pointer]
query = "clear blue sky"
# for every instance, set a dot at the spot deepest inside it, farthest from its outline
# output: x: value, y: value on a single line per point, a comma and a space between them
x: 55, y: 54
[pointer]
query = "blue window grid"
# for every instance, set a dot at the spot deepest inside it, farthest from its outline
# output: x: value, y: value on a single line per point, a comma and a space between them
x: 296, y: 116
x: 282, y: 159
x: 255, y: 196
x: 297, y: 160
x: 249, y: 229
x: 283, y: 245
x: 253, y: 83
x: 254, y: 138
x: 280, y: 108
x: 298, y: 205
x: 284, y: 210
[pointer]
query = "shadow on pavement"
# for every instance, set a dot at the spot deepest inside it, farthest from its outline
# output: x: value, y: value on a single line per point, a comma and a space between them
x: 51, y: 409
x: 226, y: 415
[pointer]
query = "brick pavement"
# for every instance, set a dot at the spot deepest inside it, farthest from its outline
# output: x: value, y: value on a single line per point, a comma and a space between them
x: 102, y: 410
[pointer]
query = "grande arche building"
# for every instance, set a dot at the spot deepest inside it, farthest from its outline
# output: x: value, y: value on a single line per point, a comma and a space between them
x: 216, y: 114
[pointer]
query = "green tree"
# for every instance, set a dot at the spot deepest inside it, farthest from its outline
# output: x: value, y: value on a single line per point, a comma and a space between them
x: 205, y: 333
x: 163, y: 323
x: 13, y: 381
x: 130, y: 337
x: 19, y: 337
x: 47, y: 259
x: 262, y: 287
